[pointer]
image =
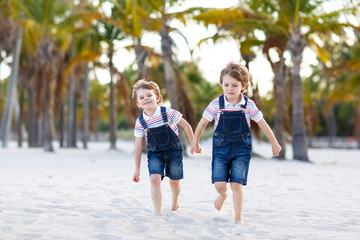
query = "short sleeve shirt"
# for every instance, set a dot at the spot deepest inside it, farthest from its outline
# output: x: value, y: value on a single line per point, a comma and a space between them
x: 156, y: 120
x: 251, y: 111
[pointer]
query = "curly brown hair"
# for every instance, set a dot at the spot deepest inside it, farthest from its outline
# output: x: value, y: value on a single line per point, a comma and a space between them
x: 236, y: 71
x: 145, y: 84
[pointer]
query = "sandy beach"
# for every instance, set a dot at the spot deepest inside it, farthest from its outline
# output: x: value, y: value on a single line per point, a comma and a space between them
x: 89, y: 194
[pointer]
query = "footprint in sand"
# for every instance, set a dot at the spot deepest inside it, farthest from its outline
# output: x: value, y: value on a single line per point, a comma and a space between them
x: 182, y: 212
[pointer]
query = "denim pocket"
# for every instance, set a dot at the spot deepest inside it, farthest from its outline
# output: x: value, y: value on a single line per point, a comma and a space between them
x: 177, y: 144
x: 151, y: 147
x: 247, y: 141
x: 217, y: 141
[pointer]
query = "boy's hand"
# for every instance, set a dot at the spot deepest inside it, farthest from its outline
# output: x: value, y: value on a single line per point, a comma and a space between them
x: 276, y: 148
x: 136, y: 177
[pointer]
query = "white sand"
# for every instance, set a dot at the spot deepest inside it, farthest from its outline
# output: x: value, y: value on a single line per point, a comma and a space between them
x: 89, y: 194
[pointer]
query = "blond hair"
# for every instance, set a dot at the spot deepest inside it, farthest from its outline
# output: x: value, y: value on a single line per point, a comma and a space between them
x: 145, y: 84
x: 236, y: 71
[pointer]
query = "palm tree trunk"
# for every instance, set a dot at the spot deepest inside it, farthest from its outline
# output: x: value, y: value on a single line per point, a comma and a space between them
x: 48, y: 108
x: 40, y: 132
x: 95, y: 119
x: 6, y: 118
x: 48, y: 147
x: 31, y: 117
x: 62, y: 123
x: 112, y: 100
x: 76, y: 103
x: 85, y: 136
x: 166, y: 43
x: 141, y: 56
x: 71, y: 110
x: 71, y: 142
x: 279, y: 69
x: 112, y: 116
x: 21, y: 114
x: 296, y: 45
x: 280, y: 105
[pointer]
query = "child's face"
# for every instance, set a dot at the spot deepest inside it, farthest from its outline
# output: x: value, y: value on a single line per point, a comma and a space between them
x: 146, y: 99
x: 232, y: 88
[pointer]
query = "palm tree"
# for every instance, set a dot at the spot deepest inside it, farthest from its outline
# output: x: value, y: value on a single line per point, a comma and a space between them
x: 6, y: 117
x: 230, y: 24
x: 160, y: 18
x: 347, y: 84
x: 130, y: 13
x: 112, y: 31
x: 10, y: 42
x: 7, y: 34
x: 305, y: 14
x: 85, y: 48
x: 42, y: 36
x: 302, y: 23
x: 225, y: 21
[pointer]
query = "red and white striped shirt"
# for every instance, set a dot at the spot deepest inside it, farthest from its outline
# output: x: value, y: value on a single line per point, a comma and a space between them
x: 156, y: 120
x: 251, y: 111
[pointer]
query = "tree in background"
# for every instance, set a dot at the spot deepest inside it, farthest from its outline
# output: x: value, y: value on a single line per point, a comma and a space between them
x: 300, y: 23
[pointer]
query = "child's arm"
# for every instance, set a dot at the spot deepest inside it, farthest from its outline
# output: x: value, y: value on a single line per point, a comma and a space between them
x: 138, y: 150
x: 188, y: 130
x: 198, y: 132
x: 276, y: 148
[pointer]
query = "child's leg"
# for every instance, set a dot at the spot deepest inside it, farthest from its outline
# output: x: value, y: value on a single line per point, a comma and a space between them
x: 175, y: 188
x: 155, y: 180
x: 238, y: 199
x: 221, y: 188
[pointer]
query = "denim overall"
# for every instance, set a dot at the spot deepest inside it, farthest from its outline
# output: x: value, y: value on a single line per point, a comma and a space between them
x: 231, y: 146
x: 164, y: 149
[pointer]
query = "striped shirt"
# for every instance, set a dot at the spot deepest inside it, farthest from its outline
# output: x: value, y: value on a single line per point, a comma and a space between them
x: 251, y: 111
x: 156, y: 120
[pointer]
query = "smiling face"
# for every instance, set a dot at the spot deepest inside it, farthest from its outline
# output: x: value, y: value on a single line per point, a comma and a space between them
x: 232, y: 88
x: 146, y: 100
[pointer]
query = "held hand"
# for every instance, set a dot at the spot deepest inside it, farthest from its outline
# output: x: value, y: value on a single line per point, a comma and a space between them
x: 136, y: 177
x: 276, y: 148
x: 196, y: 148
x: 191, y: 149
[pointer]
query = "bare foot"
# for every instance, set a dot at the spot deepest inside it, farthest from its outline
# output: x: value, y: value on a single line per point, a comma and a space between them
x: 239, y: 221
x: 159, y: 214
x: 219, y: 201
x: 175, y: 206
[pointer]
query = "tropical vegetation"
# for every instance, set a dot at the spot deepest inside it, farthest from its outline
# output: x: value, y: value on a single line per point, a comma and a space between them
x: 60, y: 52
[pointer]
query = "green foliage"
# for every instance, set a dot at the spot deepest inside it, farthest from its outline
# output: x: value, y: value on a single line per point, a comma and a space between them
x: 344, y: 114
x: 335, y: 83
x: 200, y: 90
x: 126, y: 134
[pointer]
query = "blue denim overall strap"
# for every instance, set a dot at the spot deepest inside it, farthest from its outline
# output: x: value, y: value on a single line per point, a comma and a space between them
x: 232, y: 125
x: 159, y: 138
